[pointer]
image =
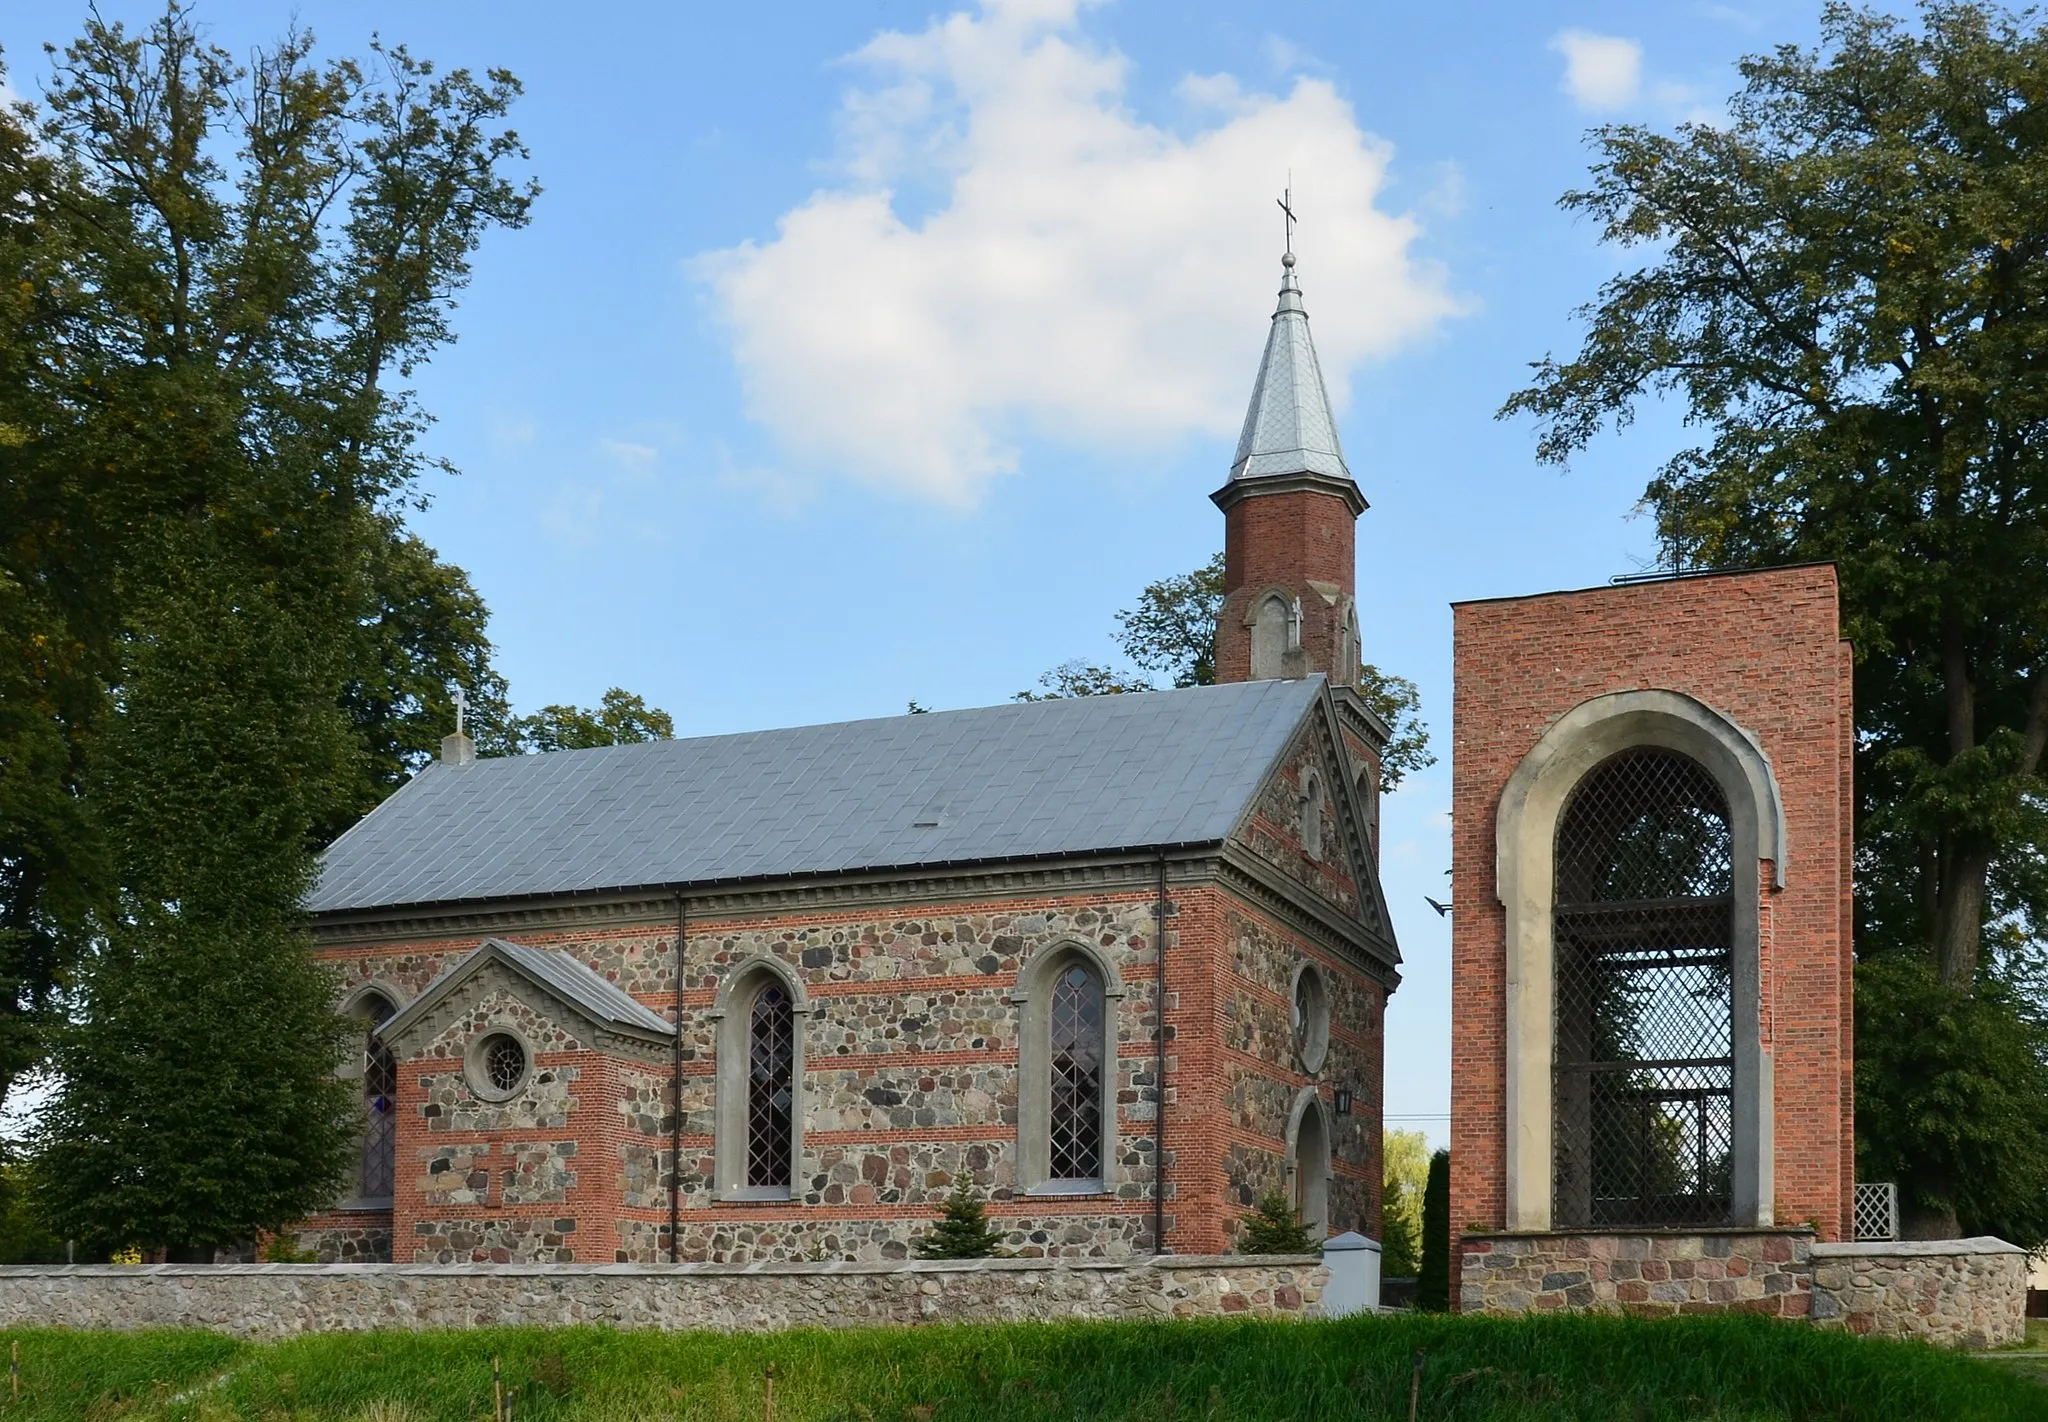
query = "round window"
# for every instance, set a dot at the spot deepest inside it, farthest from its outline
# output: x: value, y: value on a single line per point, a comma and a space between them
x: 497, y: 1065
x: 1311, y: 1017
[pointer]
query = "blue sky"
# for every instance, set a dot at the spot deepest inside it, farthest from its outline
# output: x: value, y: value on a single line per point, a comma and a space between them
x: 867, y: 352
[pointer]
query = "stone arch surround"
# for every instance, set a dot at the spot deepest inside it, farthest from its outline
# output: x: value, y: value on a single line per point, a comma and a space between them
x: 1525, y: 841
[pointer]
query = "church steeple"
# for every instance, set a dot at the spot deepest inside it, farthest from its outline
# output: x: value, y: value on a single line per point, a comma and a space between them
x: 1288, y: 429
x: 1289, y: 508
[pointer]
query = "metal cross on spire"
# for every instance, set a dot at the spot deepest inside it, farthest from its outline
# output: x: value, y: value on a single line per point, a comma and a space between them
x: 461, y: 705
x: 1287, y: 206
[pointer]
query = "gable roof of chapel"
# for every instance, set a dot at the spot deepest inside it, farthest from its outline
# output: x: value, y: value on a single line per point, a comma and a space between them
x: 1026, y: 780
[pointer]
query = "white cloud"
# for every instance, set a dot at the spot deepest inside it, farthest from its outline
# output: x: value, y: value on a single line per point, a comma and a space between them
x: 637, y: 460
x: 1601, y: 72
x: 1081, y: 274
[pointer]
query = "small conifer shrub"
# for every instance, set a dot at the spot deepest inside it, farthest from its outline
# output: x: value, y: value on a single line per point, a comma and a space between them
x: 963, y: 1231
x: 1275, y: 1227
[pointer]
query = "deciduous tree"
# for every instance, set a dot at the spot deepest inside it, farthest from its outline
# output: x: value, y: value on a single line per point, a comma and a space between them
x: 232, y: 272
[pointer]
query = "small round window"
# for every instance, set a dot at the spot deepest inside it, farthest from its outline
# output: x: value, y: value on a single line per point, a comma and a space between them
x: 497, y: 1066
x: 1311, y: 1017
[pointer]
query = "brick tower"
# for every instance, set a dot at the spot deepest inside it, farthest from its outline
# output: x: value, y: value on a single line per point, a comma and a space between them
x: 1289, y: 515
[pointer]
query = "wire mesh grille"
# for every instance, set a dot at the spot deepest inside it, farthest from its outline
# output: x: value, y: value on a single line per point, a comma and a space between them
x: 1076, y: 1052
x: 1643, y: 1108
x: 771, y: 1054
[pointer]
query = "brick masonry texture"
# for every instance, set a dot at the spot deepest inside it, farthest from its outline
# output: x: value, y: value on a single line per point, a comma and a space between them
x: 1764, y: 649
x: 282, y: 1300
x: 1964, y: 1293
x: 1287, y: 541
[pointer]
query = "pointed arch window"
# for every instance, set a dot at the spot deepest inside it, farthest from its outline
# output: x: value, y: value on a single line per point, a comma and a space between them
x: 1067, y: 1071
x: 758, y: 1115
x: 771, y: 1088
x: 377, y: 1158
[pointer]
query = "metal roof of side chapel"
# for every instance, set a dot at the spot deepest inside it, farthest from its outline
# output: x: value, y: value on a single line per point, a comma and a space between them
x: 1021, y: 781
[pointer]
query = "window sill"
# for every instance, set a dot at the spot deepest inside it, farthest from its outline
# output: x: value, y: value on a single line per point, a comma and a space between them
x: 1055, y: 1188
x: 363, y: 1207
x: 755, y: 1195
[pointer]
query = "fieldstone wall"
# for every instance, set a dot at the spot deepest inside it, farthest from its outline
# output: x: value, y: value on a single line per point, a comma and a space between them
x: 1971, y: 1293
x: 279, y: 1300
x: 1964, y: 1292
x: 1639, y: 1273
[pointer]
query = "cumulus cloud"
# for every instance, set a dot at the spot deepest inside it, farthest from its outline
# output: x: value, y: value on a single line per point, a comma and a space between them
x: 1075, y: 272
x: 1601, y: 72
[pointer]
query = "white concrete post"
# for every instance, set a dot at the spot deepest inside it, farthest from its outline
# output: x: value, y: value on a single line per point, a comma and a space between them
x: 1354, y: 1286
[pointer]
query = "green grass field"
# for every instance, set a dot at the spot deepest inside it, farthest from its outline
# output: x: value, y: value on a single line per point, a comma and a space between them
x: 1583, y: 1369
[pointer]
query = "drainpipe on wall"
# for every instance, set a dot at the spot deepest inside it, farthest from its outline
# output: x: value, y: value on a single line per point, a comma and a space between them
x: 675, y: 1138
x: 1159, y: 1064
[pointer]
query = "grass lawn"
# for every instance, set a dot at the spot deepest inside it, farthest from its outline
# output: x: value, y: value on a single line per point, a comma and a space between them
x: 1553, y: 1368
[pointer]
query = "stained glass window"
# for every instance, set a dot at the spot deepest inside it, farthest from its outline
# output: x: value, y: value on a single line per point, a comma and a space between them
x: 1077, y: 1067
x: 771, y: 1059
x: 378, y: 1166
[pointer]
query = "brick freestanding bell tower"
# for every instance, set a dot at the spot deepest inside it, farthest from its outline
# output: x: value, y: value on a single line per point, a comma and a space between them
x: 1289, y: 515
x: 1651, y: 1089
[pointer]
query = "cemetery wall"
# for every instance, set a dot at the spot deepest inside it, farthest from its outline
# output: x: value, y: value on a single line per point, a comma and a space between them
x: 280, y: 1300
x: 1962, y: 1292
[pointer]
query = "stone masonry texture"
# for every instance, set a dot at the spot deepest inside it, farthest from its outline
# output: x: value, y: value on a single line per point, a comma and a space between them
x: 1764, y: 649
x: 1968, y: 1293
x: 281, y: 1300
x: 910, y: 1073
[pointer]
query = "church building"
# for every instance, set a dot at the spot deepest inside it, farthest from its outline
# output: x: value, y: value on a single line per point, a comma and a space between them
x: 1121, y: 961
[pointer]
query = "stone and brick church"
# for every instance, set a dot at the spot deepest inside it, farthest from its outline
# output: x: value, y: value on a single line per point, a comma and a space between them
x: 1122, y: 961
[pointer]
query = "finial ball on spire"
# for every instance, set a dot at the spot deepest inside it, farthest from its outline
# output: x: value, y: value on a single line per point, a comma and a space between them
x: 1287, y: 259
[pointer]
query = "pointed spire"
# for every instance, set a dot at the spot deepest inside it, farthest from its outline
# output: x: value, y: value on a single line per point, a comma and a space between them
x: 1288, y: 429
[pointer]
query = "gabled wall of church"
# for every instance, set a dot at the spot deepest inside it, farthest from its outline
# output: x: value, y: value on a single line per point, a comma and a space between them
x: 1297, y: 823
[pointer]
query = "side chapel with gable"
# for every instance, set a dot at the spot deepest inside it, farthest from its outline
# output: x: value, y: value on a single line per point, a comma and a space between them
x: 1121, y: 961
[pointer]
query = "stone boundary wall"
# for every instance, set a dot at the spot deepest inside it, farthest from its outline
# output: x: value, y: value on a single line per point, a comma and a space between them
x: 1970, y: 1293
x: 280, y: 1300
x: 1967, y: 1293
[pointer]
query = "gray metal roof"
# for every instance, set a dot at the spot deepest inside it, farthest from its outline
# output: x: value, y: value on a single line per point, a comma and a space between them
x: 567, y: 978
x: 1289, y: 429
x: 1020, y: 781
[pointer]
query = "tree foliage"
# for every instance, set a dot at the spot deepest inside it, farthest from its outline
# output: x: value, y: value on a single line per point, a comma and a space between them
x: 1433, y: 1284
x: 219, y: 278
x: 621, y: 718
x: 1846, y: 287
x: 1404, y: 1179
x: 1275, y: 1227
x: 963, y: 1231
x: 1172, y: 632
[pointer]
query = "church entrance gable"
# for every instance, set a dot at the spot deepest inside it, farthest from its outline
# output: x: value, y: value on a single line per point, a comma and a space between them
x: 522, y: 1121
